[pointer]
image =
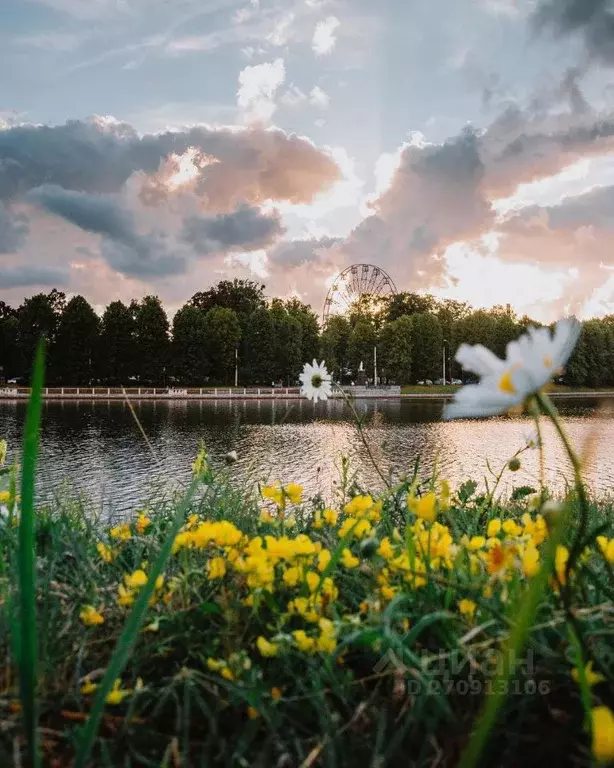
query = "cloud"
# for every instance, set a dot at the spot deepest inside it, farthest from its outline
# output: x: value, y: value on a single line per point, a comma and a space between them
x: 282, y: 31
x: 13, y: 230
x: 324, y: 38
x: 257, y: 87
x: 246, y: 229
x: 296, y: 253
x: 100, y: 155
x: 27, y: 277
x: 319, y: 98
x: 591, y: 20
x: 123, y: 246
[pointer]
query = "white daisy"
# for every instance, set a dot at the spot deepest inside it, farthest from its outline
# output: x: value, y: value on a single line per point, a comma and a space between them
x: 315, y: 381
x: 530, y: 364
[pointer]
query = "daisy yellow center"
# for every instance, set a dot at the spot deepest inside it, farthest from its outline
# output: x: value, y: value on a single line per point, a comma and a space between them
x: 506, y: 384
x: 316, y: 381
x: 547, y: 361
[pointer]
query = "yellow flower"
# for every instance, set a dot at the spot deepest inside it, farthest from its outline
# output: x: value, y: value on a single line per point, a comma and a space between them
x: 348, y: 560
x: 327, y: 642
x: 560, y: 563
x: 117, y: 694
x: 359, y: 528
x: 476, y: 542
x: 385, y: 549
x: 266, y: 648
x: 317, y: 519
x: 330, y: 516
x: 511, y: 528
x: 292, y: 576
x: 294, y: 493
x: 312, y: 580
x: 603, y: 734
x: 388, y: 592
x: 530, y: 560
x: 304, y: 643
x: 607, y: 548
x: 215, y: 665
x: 274, y: 492
x: 4, y: 448
x: 90, y: 616
x: 5, y: 496
x: 121, y: 532
x: 266, y: 516
x: 216, y: 568
x: 125, y: 596
x: 276, y: 694
x: 359, y: 506
x: 88, y: 687
x: 445, y: 495
x: 142, y: 523
x: 424, y: 507
x: 329, y: 589
x: 252, y: 713
x: 105, y: 552
x: 153, y: 627
x: 592, y: 678
x: 493, y: 528
x: 227, y: 674
x: 323, y: 559
x: 136, y: 580
x: 467, y: 608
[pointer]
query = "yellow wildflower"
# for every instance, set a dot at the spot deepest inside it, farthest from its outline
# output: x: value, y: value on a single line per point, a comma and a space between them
x: 266, y: 648
x: 511, y: 528
x: 5, y: 497
x: 326, y: 642
x: 274, y: 492
x: 467, y: 608
x: 348, y: 560
x: 560, y: 563
x: 121, y: 532
x: 359, y: 528
x: 475, y: 543
x: 227, y: 674
x: 592, y: 678
x: 359, y: 506
x: 329, y: 589
x: 125, y: 596
x: 424, y: 507
x: 493, y: 527
x: 323, y: 559
x: 88, y: 687
x: 312, y: 579
x: 330, y: 516
x: 385, y: 549
x: 136, y: 580
x: 276, y: 693
x: 603, y: 734
x: 317, y: 519
x: 607, y: 548
x: 105, y: 552
x: 388, y: 592
x: 445, y: 495
x: 530, y: 560
x: 117, y: 694
x: 252, y: 713
x: 215, y: 665
x: 153, y: 627
x: 142, y: 523
x: 90, y: 616
x: 292, y: 576
x: 304, y: 643
x: 216, y: 568
x: 294, y: 493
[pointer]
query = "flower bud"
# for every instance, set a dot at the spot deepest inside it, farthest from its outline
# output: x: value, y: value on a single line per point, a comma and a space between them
x: 552, y: 512
x: 231, y: 457
x: 514, y: 464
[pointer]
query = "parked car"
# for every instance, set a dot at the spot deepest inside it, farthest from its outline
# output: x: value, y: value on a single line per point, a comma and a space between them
x: 428, y: 383
x: 456, y: 381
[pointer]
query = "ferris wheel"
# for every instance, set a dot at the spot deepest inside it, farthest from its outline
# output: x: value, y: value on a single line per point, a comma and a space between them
x: 353, y: 283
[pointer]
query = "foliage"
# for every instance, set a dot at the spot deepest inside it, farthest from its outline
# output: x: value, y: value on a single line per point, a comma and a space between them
x: 334, y: 345
x: 151, y: 340
x: 395, y: 349
x: 222, y: 333
x: 427, y: 345
x: 363, y: 339
x: 117, y: 343
x: 76, y: 343
x: 190, y: 339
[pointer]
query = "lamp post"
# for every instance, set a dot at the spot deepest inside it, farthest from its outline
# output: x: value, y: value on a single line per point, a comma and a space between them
x: 236, y: 366
x: 443, y: 359
x: 375, y: 366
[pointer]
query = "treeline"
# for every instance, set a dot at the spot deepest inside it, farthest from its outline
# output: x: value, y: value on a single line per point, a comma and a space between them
x: 234, y: 325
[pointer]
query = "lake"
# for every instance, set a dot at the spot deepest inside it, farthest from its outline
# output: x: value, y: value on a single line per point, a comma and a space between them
x: 98, y: 447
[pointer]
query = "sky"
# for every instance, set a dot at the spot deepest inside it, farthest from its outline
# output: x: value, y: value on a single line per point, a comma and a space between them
x: 466, y: 147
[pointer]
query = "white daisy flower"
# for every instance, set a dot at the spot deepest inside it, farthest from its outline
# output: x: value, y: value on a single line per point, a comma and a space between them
x: 530, y: 364
x: 315, y: 381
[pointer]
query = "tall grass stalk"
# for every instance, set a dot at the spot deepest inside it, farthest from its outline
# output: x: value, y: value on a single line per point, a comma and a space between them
x: 26, y: 559
x: 128, y: 637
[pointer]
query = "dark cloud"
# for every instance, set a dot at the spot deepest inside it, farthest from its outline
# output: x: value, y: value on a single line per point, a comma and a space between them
x: 592, y: 20
x: 13, y: 230
x: 25, y: 276
x: 295, y: 253
x: 96, y: 155
x: 246, y: 229
x: 124, y: 248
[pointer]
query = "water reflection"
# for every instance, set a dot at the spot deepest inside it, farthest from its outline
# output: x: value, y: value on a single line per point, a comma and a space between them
x: 99, y: 447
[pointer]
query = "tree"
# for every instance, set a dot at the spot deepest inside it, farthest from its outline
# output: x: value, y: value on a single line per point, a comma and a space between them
x: 476, y: 328
x: 360, y: 348
x: 287, y: 344
x: 39, y: 316
x: 10, y: 362
x: 151, y: 341
x: 257, y: 362
x: 242, y: 296
x: 189, y: 346
x: 394, y: 350
x: 223, y: 333
x: 400, y: 304
x: 334, y: 345
x: 427, y: 346
x: 117, y: 344
x: 76, y: 343
x: 310, y: 335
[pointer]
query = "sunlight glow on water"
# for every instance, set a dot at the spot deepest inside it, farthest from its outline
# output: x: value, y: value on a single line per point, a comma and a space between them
x: 98, y: 447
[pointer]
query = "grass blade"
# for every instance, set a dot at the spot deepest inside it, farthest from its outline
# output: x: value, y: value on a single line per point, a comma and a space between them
x: 125, y: 642
x: 26, y: 560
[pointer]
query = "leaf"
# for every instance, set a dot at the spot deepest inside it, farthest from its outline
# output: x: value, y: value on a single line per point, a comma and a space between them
x: 466, y: 491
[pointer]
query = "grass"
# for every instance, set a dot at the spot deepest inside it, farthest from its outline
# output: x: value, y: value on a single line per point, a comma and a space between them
x: 406, y: 673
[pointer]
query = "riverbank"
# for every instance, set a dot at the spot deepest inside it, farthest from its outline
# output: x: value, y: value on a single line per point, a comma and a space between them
x: 260, y: 393
x: 282, y: 633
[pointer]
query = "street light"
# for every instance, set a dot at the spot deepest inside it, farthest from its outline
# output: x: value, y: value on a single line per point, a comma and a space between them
x: 443, y: 356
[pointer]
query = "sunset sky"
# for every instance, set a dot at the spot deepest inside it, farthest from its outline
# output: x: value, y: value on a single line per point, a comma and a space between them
x: 157, y: 146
